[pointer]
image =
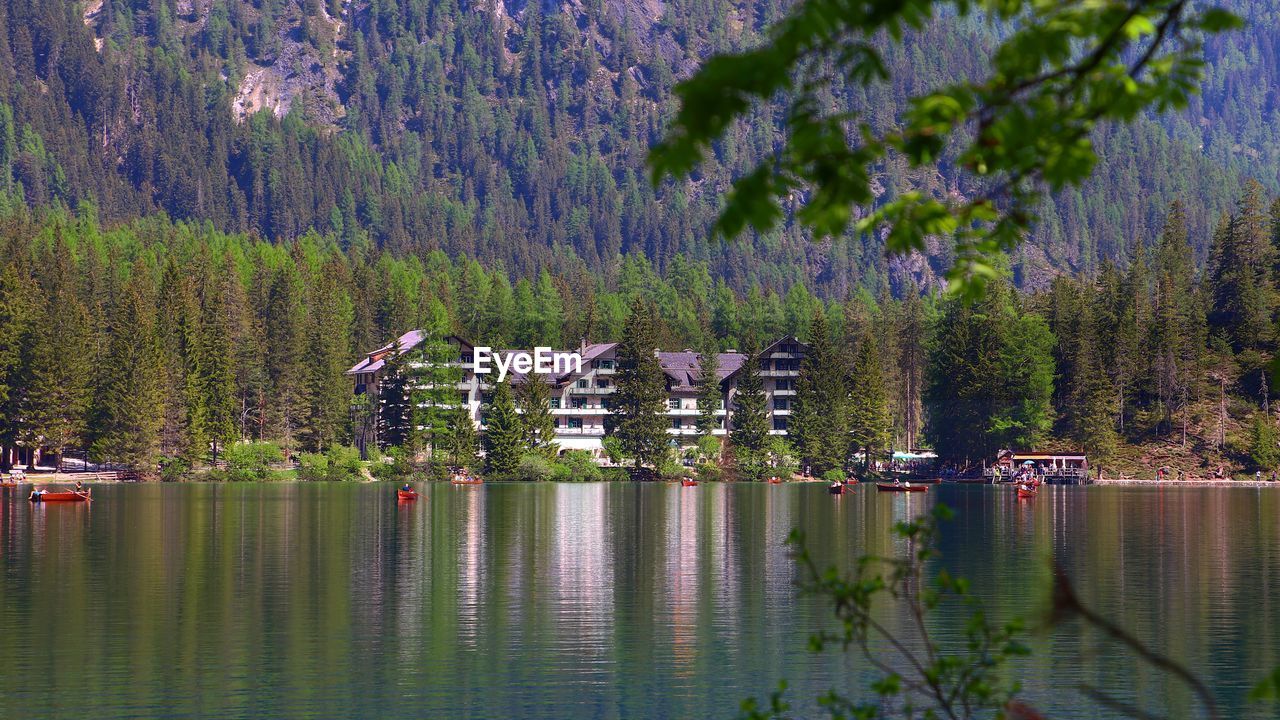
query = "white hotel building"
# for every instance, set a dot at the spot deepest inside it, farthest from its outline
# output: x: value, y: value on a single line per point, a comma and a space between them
x: 580, y: 400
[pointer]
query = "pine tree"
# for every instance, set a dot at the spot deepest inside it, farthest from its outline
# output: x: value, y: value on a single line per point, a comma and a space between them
x: 638, y: 410
x: 912, y: 359
x: 57, y: 403
x: 870, y: 422
x: 460, y: 438
x: 328, y: 355
x: 749, y: 435
x: 214, y: 373
x: 128, y: 407
x: 1264, y: 442
x: 19, y: 314
x: 710, y: 397
x: 819, y: 422
x: 533, y: 399
x: 503, y: 434
x: 433, y: 380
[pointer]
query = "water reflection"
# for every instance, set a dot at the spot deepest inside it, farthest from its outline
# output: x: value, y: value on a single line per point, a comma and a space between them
x: 583, y: 600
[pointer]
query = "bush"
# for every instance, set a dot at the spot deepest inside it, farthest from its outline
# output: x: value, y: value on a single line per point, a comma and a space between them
x: 394, y: 465
x: 338, y: 463
x: 833, y: 476
x: 612, y: 449
x: 174, y: 468
x: 251, y: 462
x: 579, y: 466
x: 534, y: 467
x: 671, y: 470
x: 708, y: 471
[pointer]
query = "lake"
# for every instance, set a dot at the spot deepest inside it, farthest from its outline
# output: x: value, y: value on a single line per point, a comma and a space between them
x: 607, y: 600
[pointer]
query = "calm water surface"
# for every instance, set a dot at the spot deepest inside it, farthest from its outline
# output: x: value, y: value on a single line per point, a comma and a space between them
x: 584, y: 601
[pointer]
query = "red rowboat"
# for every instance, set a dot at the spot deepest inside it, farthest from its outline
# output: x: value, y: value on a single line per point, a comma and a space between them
x: 1024, y: 493
x: 407, y: 494
x: 775, y: 481
x: 60, y: 497
x: 890, y: 487
x: 688, y: 483
x: 8, y: 484
x: 836, y: 489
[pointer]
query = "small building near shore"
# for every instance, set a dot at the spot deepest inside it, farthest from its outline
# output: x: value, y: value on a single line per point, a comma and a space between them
x: 1066, y: 468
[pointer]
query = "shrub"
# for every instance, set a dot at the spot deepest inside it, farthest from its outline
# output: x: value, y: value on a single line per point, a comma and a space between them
x: 338, y: 463
x: 534, y: 467
x: 708, y: 471
x: 251, y: 462
x: 833, y: 476
x: 579, y: 466
x: 174, y: 468
x: 670, y: 470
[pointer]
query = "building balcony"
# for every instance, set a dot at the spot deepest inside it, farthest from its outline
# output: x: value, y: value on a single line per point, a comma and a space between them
x: 588, y: 410
x: 782, y: 413
x: 588, y: 431
x: 682, y: 412
x: 575, y: 390
x: 683, y: 432
x: 784, y: 393
x: 779, y: 373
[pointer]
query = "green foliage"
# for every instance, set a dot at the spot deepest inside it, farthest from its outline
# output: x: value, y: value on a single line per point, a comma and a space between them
x: 1026, y: 126
x: 534, y: 467
x: 504, y: 435
x: 820, y: 419
x: 638, y: 405
x: 533, y: 400
x: 336, y: 464
x: 749, y: 434
x: 1264, y: 442
x: 460, y: 440
x: 578, y: 466
x: 252, y: 461
x: 833, y: 476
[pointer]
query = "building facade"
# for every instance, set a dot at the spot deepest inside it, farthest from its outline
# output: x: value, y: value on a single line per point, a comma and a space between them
x: 580, y: 399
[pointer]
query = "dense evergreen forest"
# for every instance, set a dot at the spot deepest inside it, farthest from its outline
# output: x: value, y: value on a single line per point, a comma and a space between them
x: 161, y: 339
x: 516, y: 134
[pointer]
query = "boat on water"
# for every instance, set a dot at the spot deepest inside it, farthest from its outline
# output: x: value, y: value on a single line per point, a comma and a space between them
x: 67, y: 496
x: 407, y: 494
x: 688, y: 482
x: 836, y: 488
x: 775, y: 480
x: 1025, y: 492
x: 904, y: 487
x: 465, y: 478
x: 8, y: 484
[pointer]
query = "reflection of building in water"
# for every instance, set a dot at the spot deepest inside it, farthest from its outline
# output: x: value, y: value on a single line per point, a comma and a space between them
x: 681, y: 573
x: 472, y: 572
x: 581, y: 576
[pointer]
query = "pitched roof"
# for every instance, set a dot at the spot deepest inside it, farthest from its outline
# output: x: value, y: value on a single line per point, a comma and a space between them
x: 376, y: 360
x: 685, y: 367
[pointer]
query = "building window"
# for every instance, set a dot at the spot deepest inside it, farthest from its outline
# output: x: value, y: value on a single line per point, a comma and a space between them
x: 602, y: 383
x: 555, y: 422
x: 673, y: 403
x: 783, y: 384
x: 781, y: 404
x: 578, y: 403
x: 555, y: 403
x: 584, y: 383
x: 575, y: 423
x: 604, y: 364
x: 675, y: 423
x: 779, y: 423
x: 464, y: 398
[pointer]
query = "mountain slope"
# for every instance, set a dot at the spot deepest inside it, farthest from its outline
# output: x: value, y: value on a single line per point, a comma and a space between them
x: 517, y: 133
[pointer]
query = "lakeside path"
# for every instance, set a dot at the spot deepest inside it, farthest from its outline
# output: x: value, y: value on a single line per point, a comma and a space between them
x: 1191, y: 482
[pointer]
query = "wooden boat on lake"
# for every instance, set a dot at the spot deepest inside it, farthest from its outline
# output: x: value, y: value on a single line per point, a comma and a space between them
x: 775, y: 480
x: 463, y: 479
x: 1026, y: 492
x: 8, y: 484
x: 688, y: 482
x: 407, y: 494
x: 836, y: 488
x: 68, y: 496
x: 892, y: 487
